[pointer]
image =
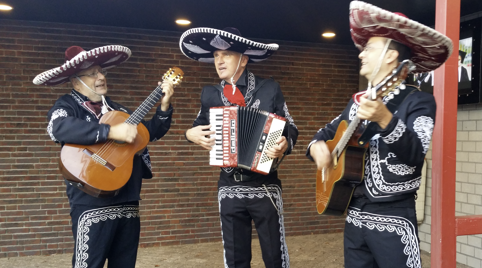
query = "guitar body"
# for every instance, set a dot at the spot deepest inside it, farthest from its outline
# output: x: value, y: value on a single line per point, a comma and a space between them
x: 84, y: 165
x: 333, y: 194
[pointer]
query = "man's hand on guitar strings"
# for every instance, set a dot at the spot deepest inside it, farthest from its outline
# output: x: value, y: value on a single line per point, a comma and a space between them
x: 123, y: 132
x: 201, y: 135
x: 168, y: 90
x: 321, y: 154
x: 278, y: 149
x: 374, y: 111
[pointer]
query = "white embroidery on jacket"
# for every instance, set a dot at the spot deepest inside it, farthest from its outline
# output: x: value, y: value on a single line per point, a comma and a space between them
x: 423, y: 126
x: 374, y: 175
x: 56, y: 114
x: 353, y: 111
x: 398, y: 169
x: 288, y: 116
x: 256, y: 104
x: 396, y: 133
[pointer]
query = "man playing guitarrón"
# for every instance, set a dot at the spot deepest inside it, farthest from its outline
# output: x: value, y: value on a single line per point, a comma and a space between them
x: 109, y: 227
x: 381, y: 225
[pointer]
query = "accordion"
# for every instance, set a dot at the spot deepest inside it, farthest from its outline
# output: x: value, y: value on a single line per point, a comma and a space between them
x: 242, y: 136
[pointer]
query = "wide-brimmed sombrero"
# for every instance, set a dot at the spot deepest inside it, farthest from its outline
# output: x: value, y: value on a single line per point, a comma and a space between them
x: 200, y: 44
x: 77, y: 59
x: 430, y: 49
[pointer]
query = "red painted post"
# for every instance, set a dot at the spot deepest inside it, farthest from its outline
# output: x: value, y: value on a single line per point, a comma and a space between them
x: 468, y: 225
x: 443, y: 237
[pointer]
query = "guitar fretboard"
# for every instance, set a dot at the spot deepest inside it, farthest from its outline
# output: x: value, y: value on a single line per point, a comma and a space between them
x: 145, y: 107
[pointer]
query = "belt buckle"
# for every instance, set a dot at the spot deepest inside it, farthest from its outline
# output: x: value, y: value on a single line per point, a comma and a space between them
x: 240, y: 177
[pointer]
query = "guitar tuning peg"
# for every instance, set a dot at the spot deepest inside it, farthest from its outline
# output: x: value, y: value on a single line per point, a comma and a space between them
x: 396, y: 91
x: 395, y: 79
x: 389, y: 84
x: 384, y: 88
x: 402, y: 86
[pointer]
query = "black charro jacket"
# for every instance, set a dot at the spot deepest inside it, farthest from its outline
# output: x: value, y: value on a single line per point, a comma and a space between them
x: 72, y: 122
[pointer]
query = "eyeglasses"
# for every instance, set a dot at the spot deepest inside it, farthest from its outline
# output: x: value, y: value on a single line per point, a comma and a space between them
x: 368, y: 48
x: 95, y: 74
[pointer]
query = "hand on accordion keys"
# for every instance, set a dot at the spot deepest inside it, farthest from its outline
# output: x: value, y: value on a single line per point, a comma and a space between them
x: 201, y: 135
x: 279, y: 149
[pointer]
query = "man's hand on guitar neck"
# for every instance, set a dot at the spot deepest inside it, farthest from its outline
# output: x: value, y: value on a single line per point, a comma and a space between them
x: 374, y: 111
x: 123, y: 132
x: 168, y: 89
x: 201, y: 135
x: 320, y: 152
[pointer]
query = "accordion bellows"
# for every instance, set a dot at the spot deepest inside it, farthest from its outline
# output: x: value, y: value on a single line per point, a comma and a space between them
x: 242, y: 137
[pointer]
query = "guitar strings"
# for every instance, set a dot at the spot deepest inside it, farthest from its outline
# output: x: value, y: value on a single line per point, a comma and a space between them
x: 106, y: 147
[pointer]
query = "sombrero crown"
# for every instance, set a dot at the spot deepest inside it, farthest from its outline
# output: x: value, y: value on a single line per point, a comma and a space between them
x: 200, y: 44
x: 77, y: 59
x: 430, y: 49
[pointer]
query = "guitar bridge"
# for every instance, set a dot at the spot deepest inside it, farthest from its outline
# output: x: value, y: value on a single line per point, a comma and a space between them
x: 99, y: 159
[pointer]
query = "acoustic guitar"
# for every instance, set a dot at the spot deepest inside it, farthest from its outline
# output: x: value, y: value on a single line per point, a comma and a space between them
x: 102, y: 169
x: 336, y: 183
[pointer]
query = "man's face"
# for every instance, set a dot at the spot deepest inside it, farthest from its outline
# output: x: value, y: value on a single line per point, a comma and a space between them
x: 93, y: 78
x: 460, y: 60
x: 371, y: 55
x: 226, y: 63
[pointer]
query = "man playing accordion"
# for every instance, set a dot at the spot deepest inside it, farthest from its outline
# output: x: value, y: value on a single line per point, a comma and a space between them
x: 243, y: 195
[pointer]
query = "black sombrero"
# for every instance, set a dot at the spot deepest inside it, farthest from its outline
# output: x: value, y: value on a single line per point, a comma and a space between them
x: 200, y: 44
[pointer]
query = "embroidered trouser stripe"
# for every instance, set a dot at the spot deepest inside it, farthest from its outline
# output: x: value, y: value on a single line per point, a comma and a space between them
x: 385, y: 237
x: 238, y: 207
x: 105, y: 233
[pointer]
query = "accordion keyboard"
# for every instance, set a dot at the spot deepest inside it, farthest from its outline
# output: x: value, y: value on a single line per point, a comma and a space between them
x: 216, y: 153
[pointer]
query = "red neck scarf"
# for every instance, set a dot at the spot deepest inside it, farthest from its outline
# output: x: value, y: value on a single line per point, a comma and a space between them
x: 236, y: 98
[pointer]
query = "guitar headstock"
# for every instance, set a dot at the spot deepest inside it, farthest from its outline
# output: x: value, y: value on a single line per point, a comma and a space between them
x: 175, y: 75
x: 390, y: 86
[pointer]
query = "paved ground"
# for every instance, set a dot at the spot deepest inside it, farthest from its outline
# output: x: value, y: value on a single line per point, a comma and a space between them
x: 311, y: 251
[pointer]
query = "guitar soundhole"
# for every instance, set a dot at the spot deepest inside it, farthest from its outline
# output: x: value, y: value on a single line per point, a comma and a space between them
x: 92, y: 157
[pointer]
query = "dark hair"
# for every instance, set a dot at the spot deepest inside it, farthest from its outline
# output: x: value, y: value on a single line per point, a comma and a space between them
x: 404, y: 52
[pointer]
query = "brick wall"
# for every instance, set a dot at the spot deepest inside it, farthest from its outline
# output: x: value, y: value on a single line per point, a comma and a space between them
x: 180, y: 204
x: 468, y: 196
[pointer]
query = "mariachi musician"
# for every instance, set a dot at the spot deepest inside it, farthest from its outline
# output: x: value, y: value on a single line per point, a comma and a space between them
x: 381, y: 224
x: 103, y: 228
x: 244, y: 196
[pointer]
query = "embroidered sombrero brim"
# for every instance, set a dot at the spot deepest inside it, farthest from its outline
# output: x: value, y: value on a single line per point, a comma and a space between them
x: 200, y: 44
x: 430, y: 49
x: 106, y: 57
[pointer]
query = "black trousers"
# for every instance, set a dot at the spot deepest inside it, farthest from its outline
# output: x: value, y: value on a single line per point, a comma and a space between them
x: 102, y: 233
x: 381, y: 235
x: 238, y: 207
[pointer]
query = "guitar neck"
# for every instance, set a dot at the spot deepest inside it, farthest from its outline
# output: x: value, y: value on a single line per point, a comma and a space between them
x: 350, y: 130
x: 145, y: 107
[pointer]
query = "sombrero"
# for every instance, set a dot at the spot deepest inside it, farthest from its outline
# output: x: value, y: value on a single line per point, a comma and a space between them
x: 77, y: 59
x: 430, y: 49
x: 200, y: 44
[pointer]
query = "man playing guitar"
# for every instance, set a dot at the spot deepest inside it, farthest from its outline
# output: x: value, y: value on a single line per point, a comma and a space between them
x: 381, y: 224
x: 109, y: 227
